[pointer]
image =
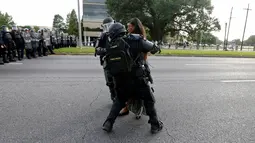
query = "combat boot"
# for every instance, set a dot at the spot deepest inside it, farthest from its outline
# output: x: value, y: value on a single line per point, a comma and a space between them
x: 156, y: 127
x: 1, y: 61
x: 14, y: 55
x: 107, y: 126
x: 11, y: 58
x: 5, y: 58
x: 19, y: 55
x: 28, y: 54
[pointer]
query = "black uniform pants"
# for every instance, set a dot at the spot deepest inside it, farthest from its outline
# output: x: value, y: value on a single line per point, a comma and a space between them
x: 45, y: 50
x: 39, y: 49
x: 128, y: 87
x: 109, y: 83
x: 20, y: 50
x: 34, y: 49
x: 50, y: 48
x: 11, y: 51
x: 3, y: 54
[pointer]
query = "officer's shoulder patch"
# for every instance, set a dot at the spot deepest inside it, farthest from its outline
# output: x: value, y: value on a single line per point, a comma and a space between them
x: 135, y: 37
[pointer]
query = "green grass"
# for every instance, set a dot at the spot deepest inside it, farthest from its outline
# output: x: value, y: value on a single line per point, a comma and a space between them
x: 211, y: 53
x: 75, y: 51
x: 165, y: 52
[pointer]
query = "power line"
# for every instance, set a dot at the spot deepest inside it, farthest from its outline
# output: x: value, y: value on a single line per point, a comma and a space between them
x: 247, y: 13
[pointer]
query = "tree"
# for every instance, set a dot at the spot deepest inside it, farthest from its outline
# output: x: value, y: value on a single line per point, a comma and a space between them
x: 68, y: 20
x: 237, y: 41
x: 36, y: 28
x: 6, y: 19
x: 73, y: 24
x: 58, y: 23
x: 250, y: 41
x: 26, y: 26
x: 209, y: 39
x: 162, y: 17
x: 198, y: 19
x: 218, y: 41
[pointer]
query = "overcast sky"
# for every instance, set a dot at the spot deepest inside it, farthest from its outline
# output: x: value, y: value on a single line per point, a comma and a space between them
x: 41, y: 12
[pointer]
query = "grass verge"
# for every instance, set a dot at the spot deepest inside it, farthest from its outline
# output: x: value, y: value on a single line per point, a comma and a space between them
x: 75, y: 51
x: 165, y: 52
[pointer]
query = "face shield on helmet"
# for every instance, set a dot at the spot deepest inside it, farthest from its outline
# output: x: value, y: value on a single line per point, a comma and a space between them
x: 15, y: 28
x: 26, y: 30
x: 105, y: 27
x: 5, y: 29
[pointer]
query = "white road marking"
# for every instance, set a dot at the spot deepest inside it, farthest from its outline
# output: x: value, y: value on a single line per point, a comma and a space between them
x: 205, y: 64
x: 237, y: 81
x: 15, y: 63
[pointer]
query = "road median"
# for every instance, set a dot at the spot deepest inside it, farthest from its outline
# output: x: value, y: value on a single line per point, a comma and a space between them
x: 166, y: 52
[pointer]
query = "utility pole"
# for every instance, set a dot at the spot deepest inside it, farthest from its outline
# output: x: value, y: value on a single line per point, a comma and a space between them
x: 224, y: 45
x: 229, y: 23
x: 247, y: 9
x: 79, y: 24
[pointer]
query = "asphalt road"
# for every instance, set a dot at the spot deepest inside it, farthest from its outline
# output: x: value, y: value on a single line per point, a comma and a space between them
x: 63, y: 99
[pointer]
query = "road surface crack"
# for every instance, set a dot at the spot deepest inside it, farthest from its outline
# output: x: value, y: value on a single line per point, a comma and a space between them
x: 173, y: 139
x: 168, y: 133
x: 98, y: 94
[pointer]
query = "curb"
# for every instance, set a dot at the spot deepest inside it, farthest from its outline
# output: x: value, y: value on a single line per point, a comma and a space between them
x: 205, y: 56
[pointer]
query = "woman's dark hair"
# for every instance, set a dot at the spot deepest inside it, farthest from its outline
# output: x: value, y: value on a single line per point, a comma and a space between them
x: 139, y: 28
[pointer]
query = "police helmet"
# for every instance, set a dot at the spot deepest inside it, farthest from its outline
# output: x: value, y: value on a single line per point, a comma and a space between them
x: 40, y: 30
x: 26, y: 29
x: 15, y: 28
x: 107, y: 22
x: 116, y: 30
x: 4, y: 28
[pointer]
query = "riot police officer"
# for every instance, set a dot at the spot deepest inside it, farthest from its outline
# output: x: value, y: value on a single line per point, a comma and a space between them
x: 58, y: 39
x: 41, y: 42
x: 71, y: 41
x: 46, y: 37
x: 125, y: 62
x: 62, y: 40
x: 2, y: 49
x: 9, y: 43
x: 19, y: 41
x: 23, y: 42
x: 74, y: 41
x: 65, y: 40
x: 33, y: 42
x: 103, y: 43
x: 28, y: 43
x: 68, y: 41
x: 53, y: 39
x: 48, y: 46
x: 37, y: 42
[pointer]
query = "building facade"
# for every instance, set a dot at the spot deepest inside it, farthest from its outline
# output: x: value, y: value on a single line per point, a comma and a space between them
x: 94, y: 11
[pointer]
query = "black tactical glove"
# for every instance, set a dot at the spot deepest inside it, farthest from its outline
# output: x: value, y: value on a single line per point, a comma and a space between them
x: 155, y: 49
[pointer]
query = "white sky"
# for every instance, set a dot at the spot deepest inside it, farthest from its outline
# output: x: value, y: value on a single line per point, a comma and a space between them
x: 41, y: 12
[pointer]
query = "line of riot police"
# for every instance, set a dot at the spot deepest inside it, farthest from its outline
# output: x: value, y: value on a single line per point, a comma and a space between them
x: 17, y: 42
x: 61, y: 40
